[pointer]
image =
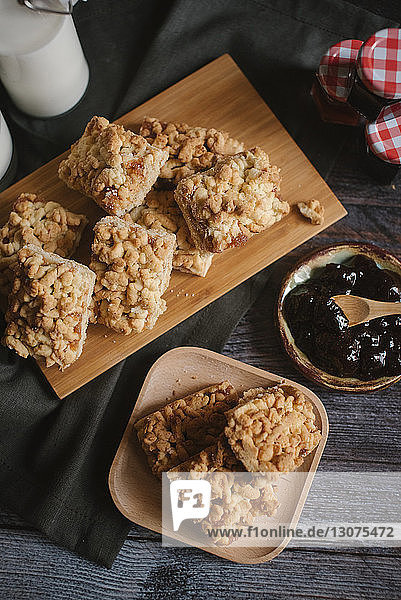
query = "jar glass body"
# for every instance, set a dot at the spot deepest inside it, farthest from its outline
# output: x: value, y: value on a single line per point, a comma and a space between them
x: 42, y: 65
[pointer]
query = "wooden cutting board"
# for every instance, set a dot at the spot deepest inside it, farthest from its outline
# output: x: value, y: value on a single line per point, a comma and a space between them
x: 137, y: 493
x: 218, y: 95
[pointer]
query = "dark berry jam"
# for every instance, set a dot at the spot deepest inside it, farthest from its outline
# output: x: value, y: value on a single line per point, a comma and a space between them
x: 320, y: 328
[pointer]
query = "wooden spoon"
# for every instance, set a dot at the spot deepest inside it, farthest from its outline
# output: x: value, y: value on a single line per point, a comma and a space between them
x: 359, y: 310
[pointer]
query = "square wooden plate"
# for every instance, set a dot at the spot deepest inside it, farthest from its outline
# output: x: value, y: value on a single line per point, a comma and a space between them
x: 181, y: 371
x: 218, y: 95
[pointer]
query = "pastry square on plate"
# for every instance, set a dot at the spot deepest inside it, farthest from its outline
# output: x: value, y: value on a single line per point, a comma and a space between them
x: 112, y: 165
x: 272, y: 429
x: 161, y: 212
x: 179, y: 430
x: 47, y: 225
x: 229, y: 203
x: 237, y: 498
x: 133, y: 267
x: 48, y: 308
x: 217, y: 457
x: 191, y: 149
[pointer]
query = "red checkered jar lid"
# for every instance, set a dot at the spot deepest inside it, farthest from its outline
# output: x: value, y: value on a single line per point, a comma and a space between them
x: 336, y: 67
x: 379, y: 64
x: 384, y: 135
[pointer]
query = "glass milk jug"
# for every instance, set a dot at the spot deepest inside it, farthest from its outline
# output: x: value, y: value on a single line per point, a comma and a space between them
x: 8, y: 159
x: 6, y: 147
x: 42, y: 65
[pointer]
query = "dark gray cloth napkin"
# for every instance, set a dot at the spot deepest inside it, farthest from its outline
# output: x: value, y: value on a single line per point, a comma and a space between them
x: 55, y: 455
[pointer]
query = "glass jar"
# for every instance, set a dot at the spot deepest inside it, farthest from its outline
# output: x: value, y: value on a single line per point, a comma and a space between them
x: 383, y: 143
x: 333, y: 83
x: 8, y: 162
x: 377, y: 77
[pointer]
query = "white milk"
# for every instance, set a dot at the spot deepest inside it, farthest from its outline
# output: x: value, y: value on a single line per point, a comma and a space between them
x: 42, y: 65
x: 6, y: 146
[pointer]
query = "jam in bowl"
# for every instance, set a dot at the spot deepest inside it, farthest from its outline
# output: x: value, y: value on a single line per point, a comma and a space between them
x: 315, y: 331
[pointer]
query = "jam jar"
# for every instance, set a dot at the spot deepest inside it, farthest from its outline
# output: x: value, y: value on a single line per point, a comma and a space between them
x: 333, y: 82
x: 376, y: 80
x: 383, y: 144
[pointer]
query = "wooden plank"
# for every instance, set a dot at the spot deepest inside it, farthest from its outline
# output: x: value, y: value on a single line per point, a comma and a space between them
x: 217, y: 95
x: 34, y: 568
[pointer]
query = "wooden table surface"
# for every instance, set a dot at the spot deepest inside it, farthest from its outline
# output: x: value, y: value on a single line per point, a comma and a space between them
x: 365, y: 433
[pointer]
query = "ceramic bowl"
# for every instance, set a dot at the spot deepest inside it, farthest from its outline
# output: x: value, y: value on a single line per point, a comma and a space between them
x: 300, y: 273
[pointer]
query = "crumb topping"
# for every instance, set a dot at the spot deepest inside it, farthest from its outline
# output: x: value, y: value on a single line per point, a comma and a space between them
x: 112, y: 165
x: 179, y: 430
x: 47, y: 225
x: 235, y: 503
x: 191, y: 149
x: 312, y: 210
x: 218, y: 457
x: 48, y: 309
x: 237, y: 498
x: 133, y: 267
x: 272, y: 429
x: 237, y: 198
x: 161, y: 213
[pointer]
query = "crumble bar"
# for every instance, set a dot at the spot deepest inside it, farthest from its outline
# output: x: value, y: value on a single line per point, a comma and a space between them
x: 48, y: 309
x: 191, y: 149
x: 235, y: 501
x: 217, y: 457
x: 179, y: 430
x: 112, y: 165
x: 47, y: 225
x: 237, y: 498
x: 272, y: 429
x: 312, y: 210
x: 133, y: 268
x: 237, y: 198
x: 161, y: 212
